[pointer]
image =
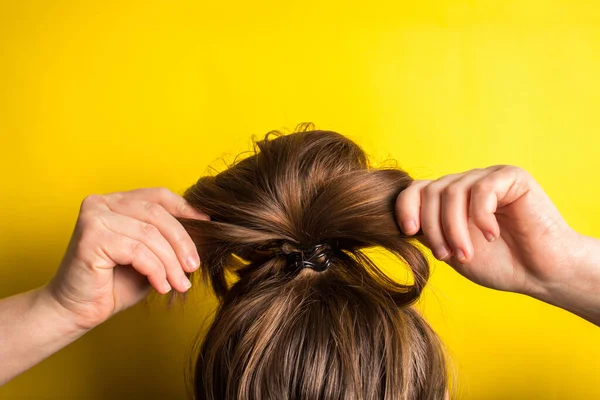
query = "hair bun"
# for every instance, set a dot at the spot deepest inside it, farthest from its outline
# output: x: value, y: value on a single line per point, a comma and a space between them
x: 310, y: 200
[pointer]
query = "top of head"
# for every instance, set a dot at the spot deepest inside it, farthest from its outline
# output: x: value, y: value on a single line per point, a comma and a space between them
x: 287, y: 331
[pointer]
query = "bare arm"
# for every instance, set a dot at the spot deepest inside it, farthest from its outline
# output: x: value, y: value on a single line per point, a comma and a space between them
x: 123, y: 244
x: 580, y: 293
x: 33, y: 327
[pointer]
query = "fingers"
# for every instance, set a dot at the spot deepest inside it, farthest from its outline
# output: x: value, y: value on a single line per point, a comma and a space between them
x: 168, y: 226
x: 408, y: 206
x: 126, y: 251
x: 504, y: 185
x: 147, y: 216
x: 455, y: 213
x: 442, y: 208
x: 150, y: 237
x: 172, y: 202
x: 431, y: 221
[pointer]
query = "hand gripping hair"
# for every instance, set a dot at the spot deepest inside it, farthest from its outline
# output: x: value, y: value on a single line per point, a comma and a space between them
x: 309, y: 315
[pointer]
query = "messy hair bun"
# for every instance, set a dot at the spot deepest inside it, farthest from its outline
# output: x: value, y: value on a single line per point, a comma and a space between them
x: 286, y: 329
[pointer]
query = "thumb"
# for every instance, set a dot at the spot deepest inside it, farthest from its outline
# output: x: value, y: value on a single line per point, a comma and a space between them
x: 130, y: 287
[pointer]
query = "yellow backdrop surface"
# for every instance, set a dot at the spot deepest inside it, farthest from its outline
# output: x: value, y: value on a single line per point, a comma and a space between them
x: 101, y: 96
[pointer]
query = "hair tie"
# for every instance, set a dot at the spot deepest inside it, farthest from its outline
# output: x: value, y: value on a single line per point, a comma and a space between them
x: 317, y: 258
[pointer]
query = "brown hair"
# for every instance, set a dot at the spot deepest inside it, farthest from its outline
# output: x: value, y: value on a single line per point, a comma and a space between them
x: 348, y: 332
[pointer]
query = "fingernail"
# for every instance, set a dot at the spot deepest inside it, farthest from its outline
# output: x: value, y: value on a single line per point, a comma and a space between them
x: 186, y: 282
x: 166, y: 287
x: 192, y: 263
x: 460, y: 255
x: 489, y: 236
x: 442, y: 252
x: 409, y: 226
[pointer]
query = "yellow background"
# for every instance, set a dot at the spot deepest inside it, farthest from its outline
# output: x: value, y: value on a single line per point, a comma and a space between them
x: 101, y: 96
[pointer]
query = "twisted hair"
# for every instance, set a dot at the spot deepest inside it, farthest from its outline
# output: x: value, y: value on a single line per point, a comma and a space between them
x: 281, y: 331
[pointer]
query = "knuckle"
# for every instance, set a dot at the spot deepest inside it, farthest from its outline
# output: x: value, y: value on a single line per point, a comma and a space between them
x: 149, y: 231
x: 91, y: 201
x: 163, y: 192
x: 452, y: 190
x: 419, y: 182
x: 522, y: 178
x: 518, y: 171
x: 119, y: 196
x: 431, y: 189
x: 138, y: 252
x: 90, y: 221
x: 414, y: 184
x: 497, y: 166
x: 483, y: 186
x: 153, y: 210
x: 184, y: 240
x: 183, y: 209
x: 140, y: 256
x: 413, y: 187
x: 511, y: 168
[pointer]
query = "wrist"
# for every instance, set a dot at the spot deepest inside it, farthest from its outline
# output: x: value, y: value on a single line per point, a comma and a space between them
x: 66, y: 321
x: 578, y: 289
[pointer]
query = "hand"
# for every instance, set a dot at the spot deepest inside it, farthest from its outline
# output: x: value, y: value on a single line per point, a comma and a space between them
x: 124, y: 243
x: 530, y: 245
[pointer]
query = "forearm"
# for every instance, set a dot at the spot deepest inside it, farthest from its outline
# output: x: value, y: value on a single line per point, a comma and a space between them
x: 580, y: 293
x: 32, y: 327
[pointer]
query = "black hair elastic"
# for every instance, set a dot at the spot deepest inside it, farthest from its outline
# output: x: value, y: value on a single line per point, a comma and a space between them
x: 317, y: 258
